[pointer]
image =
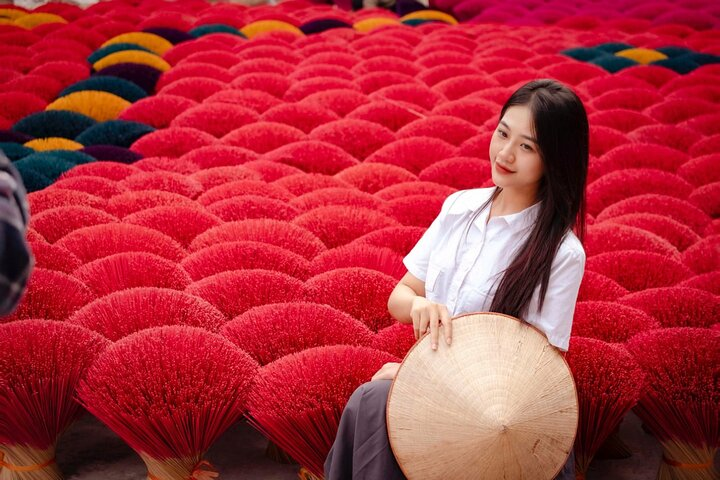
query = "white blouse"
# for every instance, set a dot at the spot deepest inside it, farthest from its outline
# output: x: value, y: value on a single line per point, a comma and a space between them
x: 469, y: 284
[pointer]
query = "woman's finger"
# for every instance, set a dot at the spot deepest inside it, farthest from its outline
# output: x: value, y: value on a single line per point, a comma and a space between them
x: 447, y: 324
x: 424, y: 321
x: 416, y: 324
x: 434, y: 327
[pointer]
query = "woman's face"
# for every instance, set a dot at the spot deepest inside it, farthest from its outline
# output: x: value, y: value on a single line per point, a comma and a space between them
x: 514, y: 152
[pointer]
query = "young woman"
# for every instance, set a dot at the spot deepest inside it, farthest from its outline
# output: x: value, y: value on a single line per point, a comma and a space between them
x: 508, y: 249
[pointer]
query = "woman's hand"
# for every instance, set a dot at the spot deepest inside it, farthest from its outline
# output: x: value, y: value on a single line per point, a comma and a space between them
x: 387, y: 372
x: 428, y: 315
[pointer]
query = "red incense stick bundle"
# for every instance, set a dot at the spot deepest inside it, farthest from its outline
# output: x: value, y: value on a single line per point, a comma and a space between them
x: 681, y: 405
x: 41, y: 363
x: 169, y: 392
x: 609, y: 383
x: 298, y: 400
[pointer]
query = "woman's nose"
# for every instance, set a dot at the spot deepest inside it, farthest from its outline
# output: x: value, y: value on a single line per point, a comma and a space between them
x: 506, y: 153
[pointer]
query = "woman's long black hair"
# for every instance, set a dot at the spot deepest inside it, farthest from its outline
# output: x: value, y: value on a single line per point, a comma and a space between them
x: 561, y: 128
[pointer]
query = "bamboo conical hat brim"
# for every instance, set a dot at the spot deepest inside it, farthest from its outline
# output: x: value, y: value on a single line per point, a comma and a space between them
x: 500, y: 402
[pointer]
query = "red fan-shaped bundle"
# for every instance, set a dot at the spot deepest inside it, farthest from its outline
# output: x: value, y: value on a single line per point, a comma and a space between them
x: 707, y: 198
x: 235, y: 291
x: 181, y: 223
x: 450, y: 129
x: 245, y: 207
x: 340, y: 100
x: 97, y: 186
x: 398, y: 239
x: 52, y: 198
x: 610, y: 321
x: 274, y: 232
x: 680, y: 138
x: 245, y: 255
x: 621, y: 119
x: 169, y: 392
x: 372, y: 177
x: 171, y: 142
x: 55, y: 223
x: 297, y: 401
x: 313, y: 157
x: 303, y: 88
x: 710, y: 282
x: 164, y: 181
x: 275, y: 84
x: 272, y: 331
x: 374, y: 81
x: 631, y: 98
x: 699, y: 170
x: 616, y: 186
x: 122, y: 313
x: 132, y: 269
x: 302, y: 183
x: 231, y: 190
x: 359, y: 138
x: 91, y: 243
x: 675, y: 208
x: 218, y: 155
x: 51, y: 295
x: 388, y: 113
x: 679, y: 235
x: 194, y: 88
x: 41, y: 363
x: 52, y: 257
x: 262, y: 137
x: 361, y: 292
x: 335, y: 196
x: 681, y: 403
x: 413, y: 154
x: 609, y: 237
x: 397, y: 339
x: 638, y: 270
x: 704, y: 256
x: 215, y: 176
x: 405, y: 189
x: 130, y: 202
x: 415, y: 210
x: 302, y: 116
x: 110, y: 170
x: 458, y: 172
x: 339, y: 225
x: 609, y: 383
x: 596, y: 286
x: 356, y: 254
x: 634, y: 155
x: 677, y: 306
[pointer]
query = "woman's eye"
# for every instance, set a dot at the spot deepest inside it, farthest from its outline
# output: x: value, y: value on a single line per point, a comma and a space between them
x: 502, y: 133
x: 527, y: 147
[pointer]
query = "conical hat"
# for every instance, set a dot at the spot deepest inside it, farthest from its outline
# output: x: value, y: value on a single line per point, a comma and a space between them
x: 500, y: 402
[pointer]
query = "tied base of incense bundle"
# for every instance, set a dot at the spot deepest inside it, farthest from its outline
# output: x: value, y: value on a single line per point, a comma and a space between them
x: 685, y: 462
x: 186, y: 468
x: 26, y: 463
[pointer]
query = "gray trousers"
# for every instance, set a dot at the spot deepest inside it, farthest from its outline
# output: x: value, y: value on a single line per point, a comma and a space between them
x: 361, y: 450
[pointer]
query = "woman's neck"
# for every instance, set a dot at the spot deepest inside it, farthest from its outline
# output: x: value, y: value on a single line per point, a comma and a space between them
x: 509, y: 201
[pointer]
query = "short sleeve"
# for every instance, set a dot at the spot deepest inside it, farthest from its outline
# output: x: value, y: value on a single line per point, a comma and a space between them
x: 416, y: 261
x: 556, y: 316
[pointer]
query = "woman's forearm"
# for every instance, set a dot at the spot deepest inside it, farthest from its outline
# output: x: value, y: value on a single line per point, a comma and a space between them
x: 400, y: 303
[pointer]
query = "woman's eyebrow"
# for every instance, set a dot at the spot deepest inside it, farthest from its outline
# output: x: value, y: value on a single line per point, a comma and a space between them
x: 502, y: 122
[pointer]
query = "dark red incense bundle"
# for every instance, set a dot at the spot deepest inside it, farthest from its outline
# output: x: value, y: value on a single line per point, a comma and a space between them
x: 297, y: 401
x: 51, y: 295
x: 610, y: 321
x: 269, y: 332
x: 169, y: 392
x: 609, y: 383
x: 358, y: 291
x: 122, y: 313
x: 397, y: 339
x: 681, y: 404
x: 41, y: 363
x: 132, y: 269
x: 363, y: 255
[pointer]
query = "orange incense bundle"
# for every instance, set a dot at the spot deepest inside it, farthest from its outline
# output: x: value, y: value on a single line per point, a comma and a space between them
x: 41, y: 363
x: 170, y: 392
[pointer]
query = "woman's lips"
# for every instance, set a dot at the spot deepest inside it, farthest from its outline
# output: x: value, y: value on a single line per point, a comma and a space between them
x: 502, y: 169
